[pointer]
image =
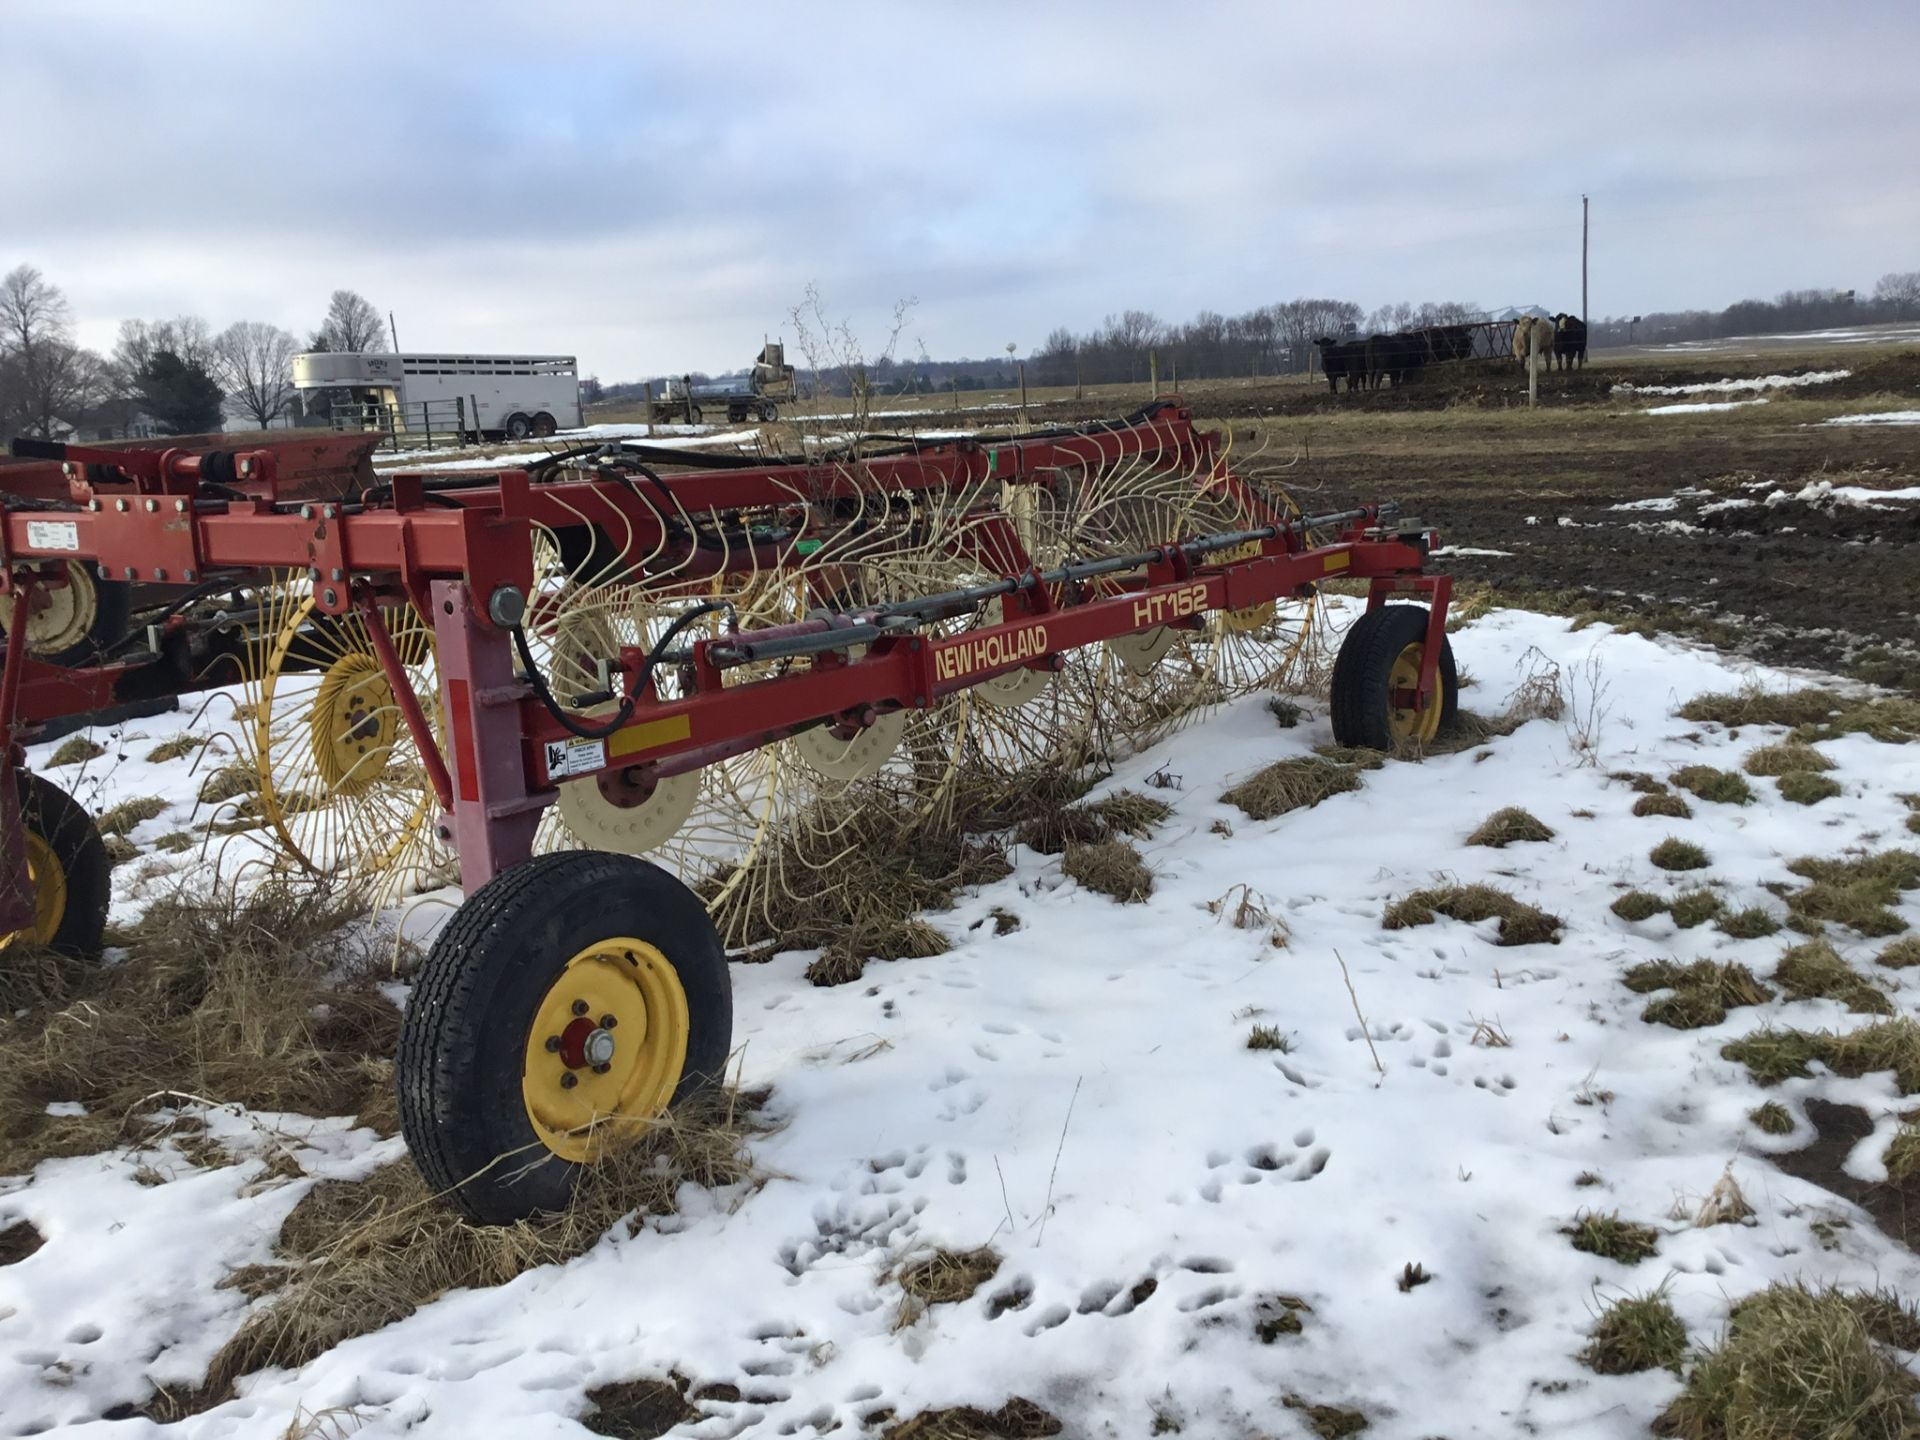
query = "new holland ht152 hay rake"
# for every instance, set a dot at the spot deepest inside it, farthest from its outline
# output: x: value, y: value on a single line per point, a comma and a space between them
x: 532, y: 678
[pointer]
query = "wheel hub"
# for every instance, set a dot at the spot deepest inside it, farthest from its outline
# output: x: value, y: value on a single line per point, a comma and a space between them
x: 577, y: 1079
x: 1407, y: 719
x: 353, y: 724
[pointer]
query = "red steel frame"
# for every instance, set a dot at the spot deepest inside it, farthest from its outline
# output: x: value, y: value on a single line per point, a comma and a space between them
x: 450, y: 559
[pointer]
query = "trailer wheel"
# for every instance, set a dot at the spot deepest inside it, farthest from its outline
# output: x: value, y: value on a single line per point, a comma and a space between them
x: 71, y: 624
x: 68, y: 867
x: 518, y: 427
x: 1381, y: 654
x: 564, y: 1006
x: 544, y: 425
x: 769, y: 412
x: 695, y: 415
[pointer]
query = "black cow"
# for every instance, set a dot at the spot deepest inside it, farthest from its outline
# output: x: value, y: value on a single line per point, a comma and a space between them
x: 1569, y: 341
x: 1343, y: 359
x: 1395, y: 357
x: 1453, y: 342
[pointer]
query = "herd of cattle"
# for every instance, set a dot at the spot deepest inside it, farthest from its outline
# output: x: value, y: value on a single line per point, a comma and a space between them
x: 1363, y: 361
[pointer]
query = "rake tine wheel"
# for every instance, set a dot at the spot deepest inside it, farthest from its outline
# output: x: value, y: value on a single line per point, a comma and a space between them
x: 340, y: 787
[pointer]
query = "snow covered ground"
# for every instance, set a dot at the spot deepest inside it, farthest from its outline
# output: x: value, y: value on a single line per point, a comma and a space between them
x: 1748, y: 383
x: 1079, y: 1094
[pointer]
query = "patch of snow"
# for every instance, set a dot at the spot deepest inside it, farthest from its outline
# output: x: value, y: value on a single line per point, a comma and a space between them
x: 1700, y: 407
x: 1728, y: 387
x: 1736, y: 502
x: 1446, y: 550
x: 1825, y: 492
x: 1883, y: 417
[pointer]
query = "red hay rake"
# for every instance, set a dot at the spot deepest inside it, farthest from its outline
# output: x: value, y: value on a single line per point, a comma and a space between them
x: 529, y: 679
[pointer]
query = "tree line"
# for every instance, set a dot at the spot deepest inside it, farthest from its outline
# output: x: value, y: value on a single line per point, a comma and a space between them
x: 165, y: 377
x: 1895, y: 297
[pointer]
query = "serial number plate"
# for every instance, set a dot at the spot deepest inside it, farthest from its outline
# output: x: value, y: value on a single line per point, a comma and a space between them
x: 53, y: 535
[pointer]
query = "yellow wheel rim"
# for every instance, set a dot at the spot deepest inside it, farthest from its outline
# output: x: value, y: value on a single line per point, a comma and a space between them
x: 49, y: 880
x: 582, y: 1077
x: 1410, y: 722
x: 352, y: 724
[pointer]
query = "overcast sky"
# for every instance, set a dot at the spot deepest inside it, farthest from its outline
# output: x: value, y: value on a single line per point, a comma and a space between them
x: 652, y: 187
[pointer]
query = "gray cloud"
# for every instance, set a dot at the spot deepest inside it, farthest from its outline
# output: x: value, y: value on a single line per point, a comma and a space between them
x: 654, y: 194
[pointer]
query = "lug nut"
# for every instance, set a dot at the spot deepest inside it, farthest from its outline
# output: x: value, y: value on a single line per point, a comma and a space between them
x: 553, y: 1043
x: 579, y: 1007
x: 607, y: 1022
x: 569, y: 1080
x: 602, y: 1069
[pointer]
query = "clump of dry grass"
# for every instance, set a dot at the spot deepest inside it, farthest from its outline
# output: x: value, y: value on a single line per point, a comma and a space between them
x: 1130, y: 812
x: 1673, y: 853
x: 265, y: 1000
x: 1329, y: 1422
x: 1520, y: 923
x: 944, y: 1277
x: 1358, y: 756
x: 229, y: 782
x: 1758, y: 707
x: 1901, y: 954
x: 1050, y: 833
x: 1772, y: 1118
x: 1665, y: 804
x: 1610, y: 1237
x: 124, y: 817
x: 1286, y: 713
x: 1510, y: 826
x: 1803, y: 787
x: 1857, y: 892
x: 1635, y: 1333
x: 370, y: 1252
x: 1639, y: 781
x: 1894, y: 721
x: 1886, y: 1045
x: 854, y: 876
x: 1638, y: 905
x: 76, y: 750
x: 1018, y: 1419
x: 1703, y: 991
x: 1113, y: 867
x: 1725, y: 1203
x: 1269, y: 1037
x: 1815, y: 971
x: 1293, y: 784
x: 1723, y: 787
x: 1797, y: 1363
x: 1903, y: 1155
x: 1691, y: 908
x: 178, y: 748
x: 1789, y: 757
x: 1752, y: 923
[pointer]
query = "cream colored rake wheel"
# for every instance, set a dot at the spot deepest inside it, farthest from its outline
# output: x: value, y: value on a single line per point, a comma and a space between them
x: 341, y: 788
x: 706, y: 825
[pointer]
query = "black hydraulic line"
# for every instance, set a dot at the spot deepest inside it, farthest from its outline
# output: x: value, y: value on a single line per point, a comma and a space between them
x: 640, y: 680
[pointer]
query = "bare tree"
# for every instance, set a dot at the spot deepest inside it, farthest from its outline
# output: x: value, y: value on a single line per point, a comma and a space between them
x: 44, y: 376
x: 1898, y: 291
x: 187, y: 336
x: 352, y: 324
x: 254, y: 364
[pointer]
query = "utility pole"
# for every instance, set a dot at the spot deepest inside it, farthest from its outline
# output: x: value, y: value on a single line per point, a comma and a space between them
x: 395, y: 331
x: 1583, y: 260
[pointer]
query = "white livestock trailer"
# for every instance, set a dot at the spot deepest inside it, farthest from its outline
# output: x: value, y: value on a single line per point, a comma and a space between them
x: 419, y: 395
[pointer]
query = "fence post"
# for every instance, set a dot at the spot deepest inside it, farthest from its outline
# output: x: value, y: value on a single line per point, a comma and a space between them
x: 460, y: 418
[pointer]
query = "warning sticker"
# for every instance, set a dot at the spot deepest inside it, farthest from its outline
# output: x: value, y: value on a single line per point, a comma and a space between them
x: 575, y: 757
x: 53, y: 535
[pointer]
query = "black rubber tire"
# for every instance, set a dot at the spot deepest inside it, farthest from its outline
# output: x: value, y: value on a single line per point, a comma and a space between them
x: 1364, y: 667
x: 544, y: 425
x: 69, y: 832
x: 464, y: 1036
x: 519, y: 427
x: 769, y: 413
x: 112, y: 614
x: 695, y: 415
